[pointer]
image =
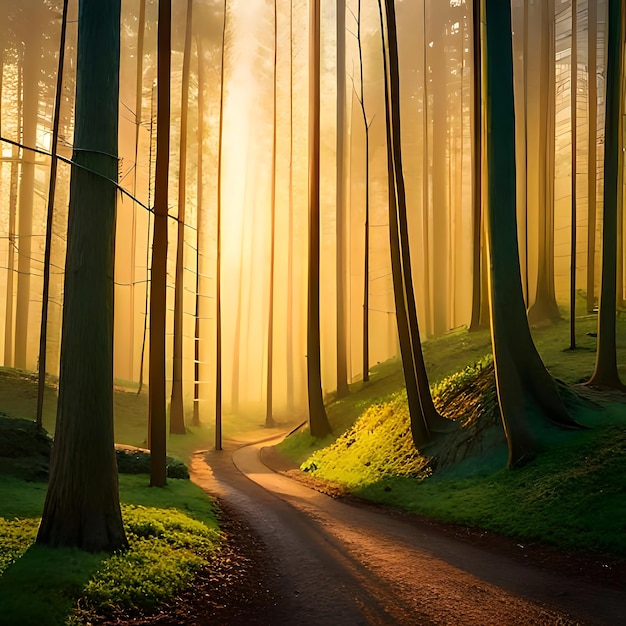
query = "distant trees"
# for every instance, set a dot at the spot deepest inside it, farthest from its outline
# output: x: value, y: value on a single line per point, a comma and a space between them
x: 82, y: 506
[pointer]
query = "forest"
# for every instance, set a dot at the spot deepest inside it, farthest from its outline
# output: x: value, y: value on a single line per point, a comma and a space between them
x: 371, y: 249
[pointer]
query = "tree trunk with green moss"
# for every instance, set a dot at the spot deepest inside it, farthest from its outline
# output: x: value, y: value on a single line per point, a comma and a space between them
x: 528, y: 396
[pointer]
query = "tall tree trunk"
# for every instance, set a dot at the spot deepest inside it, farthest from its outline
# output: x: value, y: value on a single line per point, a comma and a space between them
x: 440, y: 199
x: 177, y: 410
x: 199, y: 308
x: 13, y: 191
x: 426, y: 173
x: 318, y: 421
x: 218, y: 244
x: 573, y: 116
x: 434, y: 422
x: 41, y: 380
x: 366, y: 242
x: 528, y: 396
x: 30, y: 104
x: 340, y: 215
x: 158, y: 284
x: 151, y: 151
x: 477, y: 171
x: 419, y: 429
x: 605, y: 373
x: 592, y: 141
x: 141, y: 30
x: 269, y: 408
x: 545, y: 306
x: 82, y: 504
x: 290, y: 372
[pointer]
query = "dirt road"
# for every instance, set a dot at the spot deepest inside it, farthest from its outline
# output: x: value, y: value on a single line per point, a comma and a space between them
x: 335, y: 563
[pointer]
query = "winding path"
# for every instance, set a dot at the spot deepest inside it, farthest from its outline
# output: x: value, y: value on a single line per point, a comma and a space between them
x: 337, y: 563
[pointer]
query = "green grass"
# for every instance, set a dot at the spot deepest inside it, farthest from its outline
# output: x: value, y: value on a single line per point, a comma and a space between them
x: 172, y: 533
x: 573, y: 495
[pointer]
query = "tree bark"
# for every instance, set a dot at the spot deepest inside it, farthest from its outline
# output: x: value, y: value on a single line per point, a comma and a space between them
x: 605, y: 373
x: 177, y: 409
x: 41, y: 379
x: 158, y: 284
x: 592, y: 99
x: 82, y: 503
x: 528, y: 396
x: 318, y: 421
x: 269, y: 407
x: 30, y: 109
x: 573, y: 116
x: 218, y: 245
x: 545, y: 306
x: 340, y: 204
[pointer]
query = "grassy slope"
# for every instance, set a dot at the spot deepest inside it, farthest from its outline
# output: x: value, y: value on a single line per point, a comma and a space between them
x: 172, y: 533
x: 571, y: 496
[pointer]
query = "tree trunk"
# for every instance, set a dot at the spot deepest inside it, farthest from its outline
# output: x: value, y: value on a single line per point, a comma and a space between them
x: 13, y: 191
x: 218, y: 244
x: 30, y: 104
x: 434, y: 421
x: 592, y: 99
x: 269, y: 408
x: 177, y: 410
x: 477, y: 171
x: 366, y: 256
x: 605, y: 373
x: 199, y: 309
x: 545, y: 306
x: 82, y: 503
x: 318, y: 421
x: 290, y: 372
x: 340, y: 204
x: 41, y: 380
x: 573, y: 116
x: 528, y: 396
x: 158, y: 284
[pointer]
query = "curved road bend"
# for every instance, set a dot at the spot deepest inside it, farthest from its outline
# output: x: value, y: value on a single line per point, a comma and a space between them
x: 341, y: 564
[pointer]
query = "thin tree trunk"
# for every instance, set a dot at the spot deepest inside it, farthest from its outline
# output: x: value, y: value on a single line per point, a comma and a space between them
x: 218, y: 264
x: 269, y: 409
x: 592, y: 99
x: 573, y: 116
x: 141, y: 28
x: 30, y: 104
x: 41, y: 381
x: 158, y: 285
x: 177, y: 410
x: 605, y: 373
x: 9, y: 337
x: 199, y: 235
x: 429, y: 305
x: 340, y: 215
x: 477, y: 173
x: 366, y: 256
x: 82, y: 503
x: 148, y: 269
x: 290, y: 372
x: 318, y: 421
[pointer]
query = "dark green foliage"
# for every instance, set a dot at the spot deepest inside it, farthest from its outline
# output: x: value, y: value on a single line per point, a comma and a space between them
x: 132, y: 461
x: 25, y: 453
